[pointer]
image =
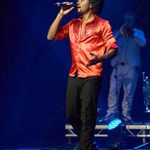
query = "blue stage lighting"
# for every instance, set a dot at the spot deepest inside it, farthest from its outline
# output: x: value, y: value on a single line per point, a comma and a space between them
x: 113, y: 124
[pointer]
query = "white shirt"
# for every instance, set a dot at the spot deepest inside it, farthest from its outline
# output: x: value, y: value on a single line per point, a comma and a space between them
x: 129, y: 48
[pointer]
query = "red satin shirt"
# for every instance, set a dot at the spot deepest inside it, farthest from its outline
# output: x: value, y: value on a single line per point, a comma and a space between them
x: 97, y: 38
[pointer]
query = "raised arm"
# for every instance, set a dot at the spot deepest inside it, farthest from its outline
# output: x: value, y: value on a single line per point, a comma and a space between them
x: 54, y: 26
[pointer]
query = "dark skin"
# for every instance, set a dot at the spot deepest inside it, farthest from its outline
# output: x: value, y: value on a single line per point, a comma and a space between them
x: 95, y: 59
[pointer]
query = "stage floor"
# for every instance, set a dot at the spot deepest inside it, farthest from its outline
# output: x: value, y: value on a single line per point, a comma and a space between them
x: 66, y: 147
x: 138, y: 134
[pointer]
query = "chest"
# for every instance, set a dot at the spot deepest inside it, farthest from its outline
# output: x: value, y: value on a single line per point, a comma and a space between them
x: 81, y: 30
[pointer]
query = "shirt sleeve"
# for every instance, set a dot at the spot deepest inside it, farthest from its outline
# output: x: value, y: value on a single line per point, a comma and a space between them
x: 108, y: 37
x: 63, y: 32
x: 139, y: 37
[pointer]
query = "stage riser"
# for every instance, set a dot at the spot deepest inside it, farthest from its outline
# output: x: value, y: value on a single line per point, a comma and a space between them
x: 135, y: 130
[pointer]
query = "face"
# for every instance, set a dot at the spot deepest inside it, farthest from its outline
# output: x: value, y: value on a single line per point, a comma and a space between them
x: 130, y: 20
x: 83, y: 6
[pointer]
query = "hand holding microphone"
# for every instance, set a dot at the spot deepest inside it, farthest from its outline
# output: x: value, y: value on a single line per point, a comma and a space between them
x: 66, y: 7
x: 126, y: 30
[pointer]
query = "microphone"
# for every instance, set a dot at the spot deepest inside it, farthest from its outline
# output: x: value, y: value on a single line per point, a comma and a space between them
x: 66, y: 6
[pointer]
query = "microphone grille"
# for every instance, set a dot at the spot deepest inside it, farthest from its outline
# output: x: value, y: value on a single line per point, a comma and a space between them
x: 57, y: 4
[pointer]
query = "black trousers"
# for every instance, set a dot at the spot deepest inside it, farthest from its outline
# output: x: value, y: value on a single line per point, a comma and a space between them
x: 81, y: 107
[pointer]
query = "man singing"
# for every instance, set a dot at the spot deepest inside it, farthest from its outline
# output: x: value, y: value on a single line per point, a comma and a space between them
x: 91, y: 42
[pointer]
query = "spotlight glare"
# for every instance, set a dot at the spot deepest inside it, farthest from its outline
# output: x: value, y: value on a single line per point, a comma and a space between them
x: 113, y: 124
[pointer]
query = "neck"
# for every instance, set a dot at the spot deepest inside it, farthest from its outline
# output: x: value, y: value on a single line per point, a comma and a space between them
x: 88, y: 17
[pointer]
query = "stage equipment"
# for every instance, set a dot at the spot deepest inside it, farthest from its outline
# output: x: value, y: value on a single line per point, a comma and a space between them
x: 143, y: 145
x: 146, y: 92
x: 115, y: 132
x: 112, y: 121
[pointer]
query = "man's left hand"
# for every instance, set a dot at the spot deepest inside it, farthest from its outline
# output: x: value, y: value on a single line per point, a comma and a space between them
x: 94, y: 60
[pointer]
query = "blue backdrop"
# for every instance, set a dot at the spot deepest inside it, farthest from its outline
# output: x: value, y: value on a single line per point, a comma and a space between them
x: 33, y: 70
